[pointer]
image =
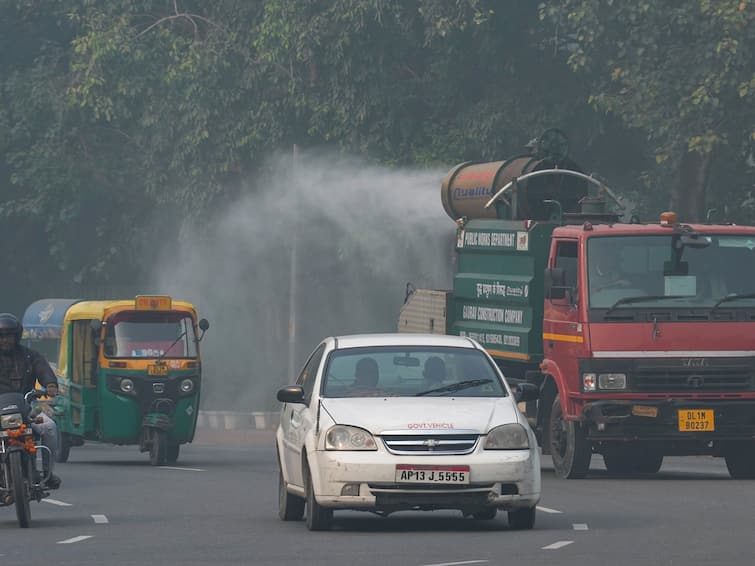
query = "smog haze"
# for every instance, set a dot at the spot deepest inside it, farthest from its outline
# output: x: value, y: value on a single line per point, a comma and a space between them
x: 331, y: 237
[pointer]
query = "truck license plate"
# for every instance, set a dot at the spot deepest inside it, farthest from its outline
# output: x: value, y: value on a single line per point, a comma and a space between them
x: 696, y: 420
x: 406, y: 473
x: 159, y: 370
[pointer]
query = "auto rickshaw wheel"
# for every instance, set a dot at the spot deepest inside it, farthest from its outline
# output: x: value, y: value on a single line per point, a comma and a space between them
x: 158, y: 448
x: 64, y: 448
x: 173, y: 449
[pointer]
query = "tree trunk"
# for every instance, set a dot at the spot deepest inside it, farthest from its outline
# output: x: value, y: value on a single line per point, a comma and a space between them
x: 688, y: 196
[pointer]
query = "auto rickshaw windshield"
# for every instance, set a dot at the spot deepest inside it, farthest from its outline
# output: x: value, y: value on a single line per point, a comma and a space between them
x: 150, y: 335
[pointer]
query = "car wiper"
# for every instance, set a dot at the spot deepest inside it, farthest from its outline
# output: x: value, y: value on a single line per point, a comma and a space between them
x: 455, y: 386
x: 641, y: 299
x: 729, y: 298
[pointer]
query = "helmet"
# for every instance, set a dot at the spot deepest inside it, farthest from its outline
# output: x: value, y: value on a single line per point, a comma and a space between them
x: 9, y: 324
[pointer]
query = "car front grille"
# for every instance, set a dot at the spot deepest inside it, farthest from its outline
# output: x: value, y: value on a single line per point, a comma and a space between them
x: 430, y: 442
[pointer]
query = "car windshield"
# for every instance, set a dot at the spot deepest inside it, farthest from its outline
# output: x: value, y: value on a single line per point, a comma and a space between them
x: 150, y: 335
x: 410, y: 371
x: 670, y: 272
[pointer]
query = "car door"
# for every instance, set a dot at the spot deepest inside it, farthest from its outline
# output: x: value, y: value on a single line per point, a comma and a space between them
x: 297, y: 419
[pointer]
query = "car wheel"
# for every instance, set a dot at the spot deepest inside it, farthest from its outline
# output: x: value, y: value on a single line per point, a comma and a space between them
x: 570, y: 449
x: 318, y: 517
x: 290, y: 507
x: 522, y: 519
x: 487, y: 514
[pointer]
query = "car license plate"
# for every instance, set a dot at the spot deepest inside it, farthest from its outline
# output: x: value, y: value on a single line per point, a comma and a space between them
x: 696, y: 420
x: 157, y: 370
x: 406, y: 473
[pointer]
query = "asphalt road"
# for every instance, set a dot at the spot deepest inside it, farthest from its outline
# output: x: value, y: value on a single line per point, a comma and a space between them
x: 218, y: 506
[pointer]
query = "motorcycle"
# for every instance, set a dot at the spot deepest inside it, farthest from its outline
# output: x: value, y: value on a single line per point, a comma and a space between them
x: 20, y: 480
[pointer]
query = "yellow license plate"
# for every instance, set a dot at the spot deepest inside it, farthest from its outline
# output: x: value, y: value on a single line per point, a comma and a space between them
x: 696, y: 420
x: 157, y: 370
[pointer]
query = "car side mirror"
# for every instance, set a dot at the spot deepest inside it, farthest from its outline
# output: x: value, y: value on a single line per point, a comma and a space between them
x: 526, y: 392
x: 291, y: 394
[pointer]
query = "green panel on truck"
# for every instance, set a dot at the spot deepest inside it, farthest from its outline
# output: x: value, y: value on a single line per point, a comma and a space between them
x: 498, y: 286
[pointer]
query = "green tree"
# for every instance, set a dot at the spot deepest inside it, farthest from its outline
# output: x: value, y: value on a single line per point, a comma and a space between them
x: 680, y: 72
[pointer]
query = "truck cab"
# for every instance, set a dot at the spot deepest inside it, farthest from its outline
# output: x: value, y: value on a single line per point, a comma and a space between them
x: 638, y: 334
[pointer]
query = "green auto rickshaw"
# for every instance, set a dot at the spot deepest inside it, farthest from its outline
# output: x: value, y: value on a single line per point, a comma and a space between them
x: 129, y: 372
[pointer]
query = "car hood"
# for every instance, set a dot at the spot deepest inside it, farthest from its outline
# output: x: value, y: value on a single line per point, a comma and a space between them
x: 381, y: 414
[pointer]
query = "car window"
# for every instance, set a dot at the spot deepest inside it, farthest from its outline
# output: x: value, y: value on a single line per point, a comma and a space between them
x: 309, y: 372
x: 407, y: 371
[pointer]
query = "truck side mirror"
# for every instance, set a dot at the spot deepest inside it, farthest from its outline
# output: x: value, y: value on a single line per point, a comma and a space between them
x: 555, y: 283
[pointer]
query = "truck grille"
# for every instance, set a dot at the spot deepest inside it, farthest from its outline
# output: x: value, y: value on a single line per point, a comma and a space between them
x: 430, y: 443
x: 716, y: 375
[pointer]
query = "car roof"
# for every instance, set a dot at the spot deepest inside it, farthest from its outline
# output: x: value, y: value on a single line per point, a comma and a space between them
x: 401, y: 339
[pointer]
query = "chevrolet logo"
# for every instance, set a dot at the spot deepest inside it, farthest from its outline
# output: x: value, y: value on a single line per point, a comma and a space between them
x: 431, y: 442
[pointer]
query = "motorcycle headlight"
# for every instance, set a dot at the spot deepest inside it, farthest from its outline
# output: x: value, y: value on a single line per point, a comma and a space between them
x: 187, y: 386
x: 511, y: 436
x: 14, y: 420
x: 341, y: 437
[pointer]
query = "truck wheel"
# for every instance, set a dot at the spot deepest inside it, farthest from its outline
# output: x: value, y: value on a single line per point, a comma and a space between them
x: 740, y: 461
x: 570, y: 449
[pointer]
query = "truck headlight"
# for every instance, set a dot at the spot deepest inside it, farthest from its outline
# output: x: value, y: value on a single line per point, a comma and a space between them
x: 511, y: 436
x: 14, y: 420
x: 342, y: 437
x: 612, y: 381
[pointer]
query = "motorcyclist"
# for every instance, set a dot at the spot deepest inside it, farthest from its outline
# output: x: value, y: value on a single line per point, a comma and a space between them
x: 20, y: 368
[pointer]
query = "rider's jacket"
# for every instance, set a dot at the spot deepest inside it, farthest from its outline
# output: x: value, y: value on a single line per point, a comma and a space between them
x: 20, y: 368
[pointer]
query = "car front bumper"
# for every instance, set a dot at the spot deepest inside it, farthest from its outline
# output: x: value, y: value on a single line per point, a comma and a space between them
x: 503, y: 479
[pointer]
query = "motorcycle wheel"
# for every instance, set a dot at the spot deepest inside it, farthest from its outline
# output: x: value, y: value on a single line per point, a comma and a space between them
x: 20, y: 497
x: 158, y: 450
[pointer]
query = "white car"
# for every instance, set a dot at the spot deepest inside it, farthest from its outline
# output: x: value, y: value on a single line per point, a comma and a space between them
x: 393, y: 422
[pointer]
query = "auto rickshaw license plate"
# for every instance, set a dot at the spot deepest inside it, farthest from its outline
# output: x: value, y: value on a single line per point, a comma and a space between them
x: 158, y: 370
x: 696, y: 420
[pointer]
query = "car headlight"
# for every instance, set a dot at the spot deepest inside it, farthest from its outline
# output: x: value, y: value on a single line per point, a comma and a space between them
x: 511, y: 436
x: 14, y: 420
x: 342, y: 437
x: 607, y: 381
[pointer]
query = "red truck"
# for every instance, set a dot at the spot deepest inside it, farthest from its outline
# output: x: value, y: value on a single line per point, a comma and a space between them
x: 640, y: 335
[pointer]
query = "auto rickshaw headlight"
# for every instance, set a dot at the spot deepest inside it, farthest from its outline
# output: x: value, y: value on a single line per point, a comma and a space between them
x: 187, y: 386
x: 127, y: 385
x: 14, y: 420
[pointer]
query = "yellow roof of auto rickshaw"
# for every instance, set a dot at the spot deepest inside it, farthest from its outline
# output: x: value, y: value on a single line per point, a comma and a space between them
x: 96, y: 309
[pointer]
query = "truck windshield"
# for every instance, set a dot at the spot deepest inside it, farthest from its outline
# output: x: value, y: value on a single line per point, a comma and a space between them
x: 670, y: 273
x: 150, y: 335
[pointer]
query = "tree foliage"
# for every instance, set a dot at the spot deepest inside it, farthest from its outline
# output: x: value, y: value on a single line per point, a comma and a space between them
x: 123, y: 120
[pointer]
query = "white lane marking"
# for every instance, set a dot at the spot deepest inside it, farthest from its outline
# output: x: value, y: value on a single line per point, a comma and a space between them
x: 458, y: 563
x: 56, y: 502
x: 182, y: 469
x: 74, y: 539
x: 557, y: 545
x: 100, y: 519
x: 580, y: 526
x: 547, y: 510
